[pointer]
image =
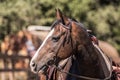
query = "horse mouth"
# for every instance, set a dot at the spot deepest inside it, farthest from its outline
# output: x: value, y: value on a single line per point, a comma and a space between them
x: 43, y: 69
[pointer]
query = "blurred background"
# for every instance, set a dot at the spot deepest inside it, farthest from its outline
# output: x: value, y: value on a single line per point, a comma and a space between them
x: 19, y: 40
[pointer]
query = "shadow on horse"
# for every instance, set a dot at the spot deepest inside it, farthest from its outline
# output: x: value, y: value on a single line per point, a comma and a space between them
x: 67, y: 53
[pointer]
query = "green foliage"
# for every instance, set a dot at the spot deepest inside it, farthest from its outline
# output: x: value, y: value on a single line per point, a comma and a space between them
x: 105, y: 23
x: 102, y: 16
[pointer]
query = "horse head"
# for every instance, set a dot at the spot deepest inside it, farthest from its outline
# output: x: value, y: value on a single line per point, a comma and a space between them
x: 65, y: 38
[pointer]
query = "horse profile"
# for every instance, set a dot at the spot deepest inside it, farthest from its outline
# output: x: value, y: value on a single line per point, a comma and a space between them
x: 67, y: 53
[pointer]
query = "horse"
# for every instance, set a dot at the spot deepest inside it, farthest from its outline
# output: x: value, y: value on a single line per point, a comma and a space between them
x: 67, y: 53
x: 110, y: 51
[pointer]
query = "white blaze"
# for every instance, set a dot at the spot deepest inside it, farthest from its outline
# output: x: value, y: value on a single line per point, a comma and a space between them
x: 37, y: 52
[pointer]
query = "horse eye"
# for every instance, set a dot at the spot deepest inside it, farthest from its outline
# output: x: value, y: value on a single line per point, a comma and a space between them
x: 55, y: 39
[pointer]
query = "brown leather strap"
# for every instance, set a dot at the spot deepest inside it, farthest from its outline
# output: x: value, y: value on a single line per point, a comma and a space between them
x: 50, y: 72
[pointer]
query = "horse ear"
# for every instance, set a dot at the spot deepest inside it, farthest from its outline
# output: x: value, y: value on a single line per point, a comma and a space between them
x: 66, y: 20
x: 58, y: 14
x: 61, y: 17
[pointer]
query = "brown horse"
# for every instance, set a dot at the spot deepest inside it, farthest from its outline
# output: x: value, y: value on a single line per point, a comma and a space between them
x: 68, y: 53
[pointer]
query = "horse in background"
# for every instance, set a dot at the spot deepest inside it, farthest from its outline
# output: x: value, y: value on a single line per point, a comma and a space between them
x: 110, y: 51
x: 23, y: 43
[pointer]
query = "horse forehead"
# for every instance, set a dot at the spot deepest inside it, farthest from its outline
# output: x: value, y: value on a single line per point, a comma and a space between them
x: 58, y: 29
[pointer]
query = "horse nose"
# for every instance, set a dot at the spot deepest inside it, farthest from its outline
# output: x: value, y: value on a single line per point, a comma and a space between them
x: 33, y: 66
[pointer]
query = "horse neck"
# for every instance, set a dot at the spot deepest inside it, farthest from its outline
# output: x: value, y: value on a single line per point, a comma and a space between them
x: 83, y: 63
x: 87, y: 62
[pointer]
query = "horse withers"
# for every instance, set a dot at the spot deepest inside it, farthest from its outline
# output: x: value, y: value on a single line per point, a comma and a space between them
x: 67, y: 53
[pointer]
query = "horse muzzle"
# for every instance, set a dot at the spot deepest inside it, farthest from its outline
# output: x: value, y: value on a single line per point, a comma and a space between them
x: 41, y: 67
x: 38, y: 68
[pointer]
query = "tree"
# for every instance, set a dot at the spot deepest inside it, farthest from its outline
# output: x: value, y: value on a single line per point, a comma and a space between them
x: 101, y: 16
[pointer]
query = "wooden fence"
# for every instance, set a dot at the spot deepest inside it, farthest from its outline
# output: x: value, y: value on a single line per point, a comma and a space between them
x: 8, y: 71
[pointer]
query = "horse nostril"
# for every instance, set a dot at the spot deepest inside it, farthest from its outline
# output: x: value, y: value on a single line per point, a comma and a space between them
x: 33, y: 64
